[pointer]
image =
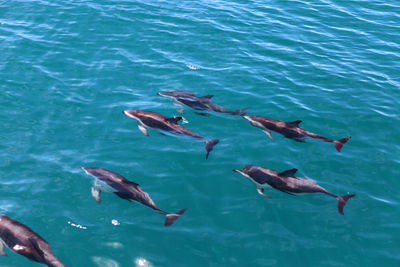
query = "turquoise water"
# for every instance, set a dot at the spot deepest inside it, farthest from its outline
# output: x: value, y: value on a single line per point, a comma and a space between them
x: 68, y: 69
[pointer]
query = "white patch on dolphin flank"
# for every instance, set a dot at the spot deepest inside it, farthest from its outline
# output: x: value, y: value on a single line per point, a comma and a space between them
x: 18, y: 247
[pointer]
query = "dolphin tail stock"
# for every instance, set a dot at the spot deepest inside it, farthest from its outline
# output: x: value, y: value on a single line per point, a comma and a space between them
x: 209, y: 145
x: 170, y: 218
x: 339, y: 143
x: 341, y: 202
x: 240, y: 112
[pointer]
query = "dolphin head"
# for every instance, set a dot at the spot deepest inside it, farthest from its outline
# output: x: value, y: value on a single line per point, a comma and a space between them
x: 133, y: 113
x: 166, y: 93
x: 175, y: 93
x: 245, y: 171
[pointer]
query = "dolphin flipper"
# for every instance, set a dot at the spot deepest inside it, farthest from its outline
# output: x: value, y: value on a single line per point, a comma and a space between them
x: 2, y: 252
x: 143, y: 130
x: 96, y: 193
x: 261, y: 192
x: 269, y: 134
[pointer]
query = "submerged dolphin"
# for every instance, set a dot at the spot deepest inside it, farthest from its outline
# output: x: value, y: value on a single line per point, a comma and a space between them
x: 127, y: 190
x: 289, y: 130
x: 148, y: 119
x: 286, y: 182
x: 189, y: 99
x: 23, y: 240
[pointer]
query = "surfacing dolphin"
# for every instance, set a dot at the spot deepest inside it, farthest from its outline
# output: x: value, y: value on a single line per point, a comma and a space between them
x: 23, y: 240
x: 125, y: 189
x: 290, y: 130
x: 189, y: 99
x: 286, y: 182
x: 148, y: 119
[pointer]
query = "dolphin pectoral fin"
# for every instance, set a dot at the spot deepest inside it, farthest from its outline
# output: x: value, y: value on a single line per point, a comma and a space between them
x: 143, y: 130
x: 269, y: 134
x: 96, y: 194
x: 2, y: 252
x: 184, y: 120
x: 261, y: 192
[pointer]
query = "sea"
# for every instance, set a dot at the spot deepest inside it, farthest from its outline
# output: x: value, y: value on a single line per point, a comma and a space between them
x: 69, y: 68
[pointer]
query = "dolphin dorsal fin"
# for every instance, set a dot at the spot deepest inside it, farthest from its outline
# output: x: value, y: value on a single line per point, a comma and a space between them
x: 290, y: 172
x: 174, y: 119
x: 207, y: 96
x: 295, y: 123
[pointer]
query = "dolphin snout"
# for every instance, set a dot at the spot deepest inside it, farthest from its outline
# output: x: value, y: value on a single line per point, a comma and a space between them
x: 130, y: 113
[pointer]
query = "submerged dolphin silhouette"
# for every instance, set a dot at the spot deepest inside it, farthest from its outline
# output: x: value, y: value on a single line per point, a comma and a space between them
x: 286, y: 182
x: 148, y: 119
x: 23, y: 240
x: 127, y: 190
x: 198, y: 103
x: 290, y: 130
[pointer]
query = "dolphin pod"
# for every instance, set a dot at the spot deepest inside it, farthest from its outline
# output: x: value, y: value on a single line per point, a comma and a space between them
x: 148, y: 119
x: 23, y: 240
x: 186, y: 98
x: 289, y: 130
x: 128, y: 190
x: 288, y: 183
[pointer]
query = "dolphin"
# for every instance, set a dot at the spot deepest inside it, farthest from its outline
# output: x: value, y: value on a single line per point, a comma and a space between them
x: 286, y: 182
x: 189, y: 99
x: 290, y: 130
x: 125, y: 189
x: 23, y: 240
x: 148, y: 119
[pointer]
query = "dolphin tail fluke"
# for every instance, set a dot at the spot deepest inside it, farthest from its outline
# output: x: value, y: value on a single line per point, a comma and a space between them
x: 170, y: 218
x: 341, y: 202
x: 209, y: 145
x: 339, y: 143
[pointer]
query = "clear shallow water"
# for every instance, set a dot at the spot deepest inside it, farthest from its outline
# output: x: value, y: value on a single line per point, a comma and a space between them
x: 68, y: 69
